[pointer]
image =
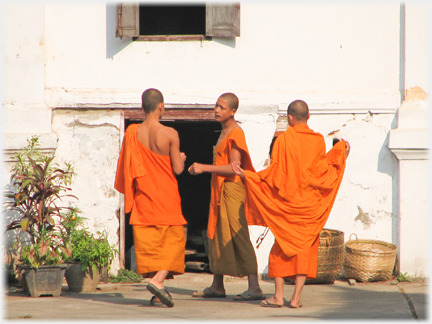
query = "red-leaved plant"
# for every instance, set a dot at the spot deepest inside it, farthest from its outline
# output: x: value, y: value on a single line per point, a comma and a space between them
x: 37, y: 187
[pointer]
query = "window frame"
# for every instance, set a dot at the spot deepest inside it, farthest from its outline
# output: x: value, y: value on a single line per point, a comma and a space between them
x: 217, y: 24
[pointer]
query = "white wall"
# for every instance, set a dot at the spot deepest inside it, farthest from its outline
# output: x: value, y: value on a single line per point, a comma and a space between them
x: 344, y: 56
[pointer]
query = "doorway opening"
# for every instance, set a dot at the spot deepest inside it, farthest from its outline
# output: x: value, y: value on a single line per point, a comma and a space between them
x: 197, y: 139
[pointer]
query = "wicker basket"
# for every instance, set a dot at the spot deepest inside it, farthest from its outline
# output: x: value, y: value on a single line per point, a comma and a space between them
x: 330, y: 257
x: 369, y: 260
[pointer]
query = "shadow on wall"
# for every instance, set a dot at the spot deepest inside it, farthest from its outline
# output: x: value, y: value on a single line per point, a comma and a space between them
x: 113, y: 44
x: 388, y: 164
x: 227, y: 41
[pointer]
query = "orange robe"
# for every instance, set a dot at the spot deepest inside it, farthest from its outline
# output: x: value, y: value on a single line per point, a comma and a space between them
x: 294, y: 197
x: 230, y: 249
x: 151, y: 195
x: 222, y: 158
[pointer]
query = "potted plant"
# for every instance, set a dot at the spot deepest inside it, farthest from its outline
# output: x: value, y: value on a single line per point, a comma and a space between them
x: 90, y: 254
x: 32, y: 204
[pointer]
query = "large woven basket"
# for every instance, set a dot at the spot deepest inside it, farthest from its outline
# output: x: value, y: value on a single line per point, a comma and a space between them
x: 330, y: 257
x: 369, y: 260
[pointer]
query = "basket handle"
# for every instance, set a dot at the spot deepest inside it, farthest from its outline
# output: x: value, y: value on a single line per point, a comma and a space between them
x: 352, y: 235
x: 328, y: 233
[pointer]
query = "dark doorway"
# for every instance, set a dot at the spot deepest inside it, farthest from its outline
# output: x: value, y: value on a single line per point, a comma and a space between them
x: 197, y: 139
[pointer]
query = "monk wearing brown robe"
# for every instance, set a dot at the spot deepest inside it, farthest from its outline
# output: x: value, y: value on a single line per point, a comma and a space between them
x: 230, y: 249
x: 294, y: 197
x: 149, y: 159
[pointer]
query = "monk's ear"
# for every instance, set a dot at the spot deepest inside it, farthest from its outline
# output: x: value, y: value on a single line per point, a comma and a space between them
x: 161, y: 106
x: 290, y: 120
x: 308, y: 116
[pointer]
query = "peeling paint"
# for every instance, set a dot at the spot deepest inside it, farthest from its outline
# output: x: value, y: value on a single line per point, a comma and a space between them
x: 78, y: 123
x: 334, y: 132
x: 364, y: 218
x: 108, y: 191
x: 361, y: 186
x: 369, y: 117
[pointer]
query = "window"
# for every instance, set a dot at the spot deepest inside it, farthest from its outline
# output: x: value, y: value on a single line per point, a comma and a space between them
x: 177, y: 22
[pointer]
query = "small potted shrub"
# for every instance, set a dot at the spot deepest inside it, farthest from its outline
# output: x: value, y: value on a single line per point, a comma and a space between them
x: 90, y: 254
x: 34, y: 214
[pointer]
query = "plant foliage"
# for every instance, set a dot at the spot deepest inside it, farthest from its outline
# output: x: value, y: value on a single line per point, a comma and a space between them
x: 37, y: 187
x: 125, y: 275
x: 88, y: 249
x: 403, y: 277
x: 49, y: 249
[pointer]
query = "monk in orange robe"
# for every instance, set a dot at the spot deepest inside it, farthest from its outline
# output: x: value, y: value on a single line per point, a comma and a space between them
x: 294, y: 197
x: 149, y: 159
x: 230, y: 249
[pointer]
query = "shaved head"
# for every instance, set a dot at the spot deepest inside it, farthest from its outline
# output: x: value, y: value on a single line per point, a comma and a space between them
x: 150, y: 99
x: 299, y: 110
x: 231, y: 99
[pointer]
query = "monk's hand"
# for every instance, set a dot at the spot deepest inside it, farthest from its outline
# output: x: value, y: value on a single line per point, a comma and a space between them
x: 347, y: 148
x: 195, y: 168
x: 182, y: 156
x: 237, y: 170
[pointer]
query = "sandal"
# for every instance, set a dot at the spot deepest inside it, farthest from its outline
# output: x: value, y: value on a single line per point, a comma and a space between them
x: 162, y: 294
x: 207, y: 293
x: 269, y: 304
x: 155, y: 302
x: 291, y: 306
x: 248, y: 295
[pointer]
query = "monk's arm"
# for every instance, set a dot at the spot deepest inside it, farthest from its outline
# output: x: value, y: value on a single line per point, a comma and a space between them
x: 177, y: 158
x: 222, y: 170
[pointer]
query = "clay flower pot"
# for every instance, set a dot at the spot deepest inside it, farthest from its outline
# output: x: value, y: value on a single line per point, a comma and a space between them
x: 81, y: 281
x: 45, y: 280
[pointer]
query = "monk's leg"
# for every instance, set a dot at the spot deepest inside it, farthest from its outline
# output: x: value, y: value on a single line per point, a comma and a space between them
x: 217, y: 285
x: 253, y: 284
x: 277, y: 298
x: 159, y: 278
x: 299, y: 284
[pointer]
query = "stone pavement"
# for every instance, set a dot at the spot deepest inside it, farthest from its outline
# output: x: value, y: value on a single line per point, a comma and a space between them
x: 130, y: 302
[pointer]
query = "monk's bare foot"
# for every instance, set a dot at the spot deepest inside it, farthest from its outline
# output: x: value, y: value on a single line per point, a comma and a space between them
x: 294, y: 303
x: 156, y: 283
x: 273, y: 300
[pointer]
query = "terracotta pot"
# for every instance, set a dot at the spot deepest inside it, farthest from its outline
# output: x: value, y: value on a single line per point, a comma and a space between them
x: 81, y: 281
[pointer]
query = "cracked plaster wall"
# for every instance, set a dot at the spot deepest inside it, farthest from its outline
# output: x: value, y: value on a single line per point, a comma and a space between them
x: 90, y: 139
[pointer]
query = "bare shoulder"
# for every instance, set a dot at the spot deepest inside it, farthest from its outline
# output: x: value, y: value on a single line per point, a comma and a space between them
x: 168, y: 132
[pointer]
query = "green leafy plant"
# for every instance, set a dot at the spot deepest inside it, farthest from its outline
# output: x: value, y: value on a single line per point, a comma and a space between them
x: 125, y: 275
x: 36, y: 189
x: 403, y: 277
x: 90, y: 250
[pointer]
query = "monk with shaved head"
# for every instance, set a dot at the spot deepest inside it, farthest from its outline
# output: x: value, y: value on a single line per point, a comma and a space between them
x: 293, y: 197
x: 230, y: 249
x: 149, y: 159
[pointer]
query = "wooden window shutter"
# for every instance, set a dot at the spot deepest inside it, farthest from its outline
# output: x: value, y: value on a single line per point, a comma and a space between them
x: 127, y: 20
x: 223, y: 20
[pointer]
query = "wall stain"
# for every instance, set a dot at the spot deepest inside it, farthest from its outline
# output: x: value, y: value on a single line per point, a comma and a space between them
x: 415, y: 93
x: 364, y: 218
